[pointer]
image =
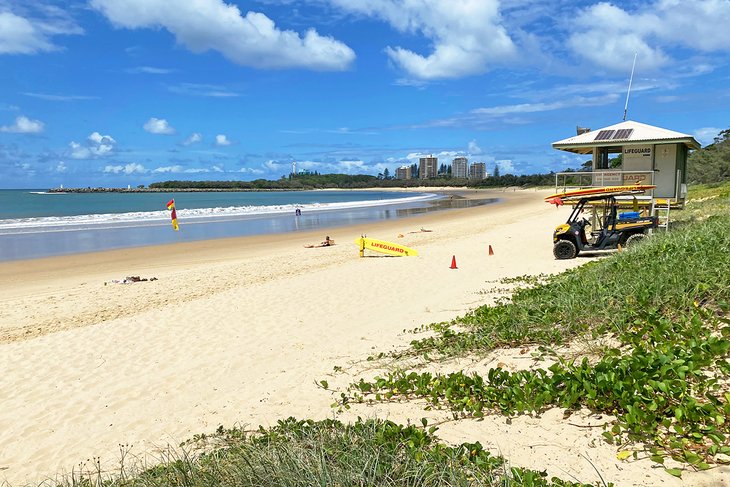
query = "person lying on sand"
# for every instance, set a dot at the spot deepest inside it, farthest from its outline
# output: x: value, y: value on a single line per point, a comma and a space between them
x: 326, y: 243
x: 131, y: 279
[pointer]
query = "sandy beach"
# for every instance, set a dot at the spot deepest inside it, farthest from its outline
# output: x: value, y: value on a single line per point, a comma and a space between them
x: 237, y: 331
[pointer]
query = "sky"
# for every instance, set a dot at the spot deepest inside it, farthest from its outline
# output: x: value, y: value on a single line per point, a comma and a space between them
x: 129, y: 92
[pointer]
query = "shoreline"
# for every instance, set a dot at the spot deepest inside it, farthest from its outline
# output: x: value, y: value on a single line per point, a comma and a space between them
x: 128, y: 231
x: 233, y: 331
x: 195, y: 251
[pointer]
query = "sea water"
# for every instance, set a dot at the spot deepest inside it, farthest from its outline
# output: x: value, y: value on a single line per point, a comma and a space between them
x: 35, y: 223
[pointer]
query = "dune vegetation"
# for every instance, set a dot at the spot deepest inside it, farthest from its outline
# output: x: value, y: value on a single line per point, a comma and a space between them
x: 665, y: 379
x: 664, y: 303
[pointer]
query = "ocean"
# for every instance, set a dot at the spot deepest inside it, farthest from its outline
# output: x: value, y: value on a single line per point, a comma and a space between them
x: 34, y: 223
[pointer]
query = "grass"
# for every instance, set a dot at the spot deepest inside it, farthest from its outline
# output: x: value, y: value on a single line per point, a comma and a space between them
x: 326, y: 453
x: 666, y: 301
x: 666, y: 275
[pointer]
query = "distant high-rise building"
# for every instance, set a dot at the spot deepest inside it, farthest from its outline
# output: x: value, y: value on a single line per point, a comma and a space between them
x: 404, y: 172
x: 478, y: 170
x: 428, y: 167
x: 458, y: 167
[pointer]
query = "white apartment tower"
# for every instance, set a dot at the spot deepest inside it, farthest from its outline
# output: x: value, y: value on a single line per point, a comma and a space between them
x: 428, y: 167
x: 404, y: 172
x: 478, y: 170
x: 459, y: 167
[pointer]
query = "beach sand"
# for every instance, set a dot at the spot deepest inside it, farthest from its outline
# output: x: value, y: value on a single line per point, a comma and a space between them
x: 237, y: 331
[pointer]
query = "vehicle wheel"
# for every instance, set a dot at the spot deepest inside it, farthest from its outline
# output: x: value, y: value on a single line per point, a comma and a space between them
x: 564, y: 249
x: 634, y: 239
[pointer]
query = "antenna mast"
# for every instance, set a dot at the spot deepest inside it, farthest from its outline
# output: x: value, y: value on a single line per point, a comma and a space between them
x: 631, y: 79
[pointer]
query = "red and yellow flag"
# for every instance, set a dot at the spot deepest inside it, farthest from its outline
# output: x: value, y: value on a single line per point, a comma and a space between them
x: 173, y: 214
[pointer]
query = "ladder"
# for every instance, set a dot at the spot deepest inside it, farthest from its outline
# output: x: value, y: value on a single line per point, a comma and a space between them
x: 661, y: 210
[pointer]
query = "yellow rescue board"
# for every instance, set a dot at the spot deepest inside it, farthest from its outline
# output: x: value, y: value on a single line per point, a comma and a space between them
x: 602, y: 190
x: 390, y: 248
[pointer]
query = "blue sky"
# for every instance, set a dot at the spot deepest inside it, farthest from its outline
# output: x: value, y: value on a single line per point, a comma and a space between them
x: 117, y: 92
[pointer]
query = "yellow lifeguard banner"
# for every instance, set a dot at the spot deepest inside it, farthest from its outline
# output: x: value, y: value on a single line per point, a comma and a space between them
x: 384, y: 247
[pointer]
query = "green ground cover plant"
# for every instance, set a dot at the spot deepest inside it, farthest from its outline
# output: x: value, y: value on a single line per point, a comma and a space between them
x: 326, y: 453
x: 666, y: 392
x: 667, y: 303
x: 665, y: 276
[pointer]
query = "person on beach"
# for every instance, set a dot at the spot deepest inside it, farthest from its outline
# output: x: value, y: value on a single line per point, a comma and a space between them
x: 298, y: 212
x: 326, y: 243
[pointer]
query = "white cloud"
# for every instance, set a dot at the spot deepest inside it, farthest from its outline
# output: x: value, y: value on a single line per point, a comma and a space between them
x: 251, y: 170
x: 250, y: 40
x: 474, y: 149
x: 342, y: 166
x: 158, y: 126
x: 49, y: 97
x: 149, y: 70
x: 97, y: 145
x: 30, y: 35
x: 505, y: 166
x: 197, y: 89
x: 608, y: 35
x: 512, y: 114
x: 61, y: 167
x: 126, y: 169
x: 706, y: 135
x: 166, y: 169
x: 467, y: 36
x: 701, y: 24
x: 24, y: 125
x: 444, y: 155
x: 19, y: 36
x: 194, y: 138
x: 177, y: 169
x: 221, y: 140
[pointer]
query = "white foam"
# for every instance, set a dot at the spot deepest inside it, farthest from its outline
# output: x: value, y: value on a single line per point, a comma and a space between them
x: 50, y: 223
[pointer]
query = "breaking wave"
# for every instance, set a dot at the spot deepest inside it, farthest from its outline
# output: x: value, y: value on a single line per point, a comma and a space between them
x: 199, y: 215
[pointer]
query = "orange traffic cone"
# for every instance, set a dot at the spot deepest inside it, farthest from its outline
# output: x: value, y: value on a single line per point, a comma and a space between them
x: 453, y: 263
x: 491, y: 252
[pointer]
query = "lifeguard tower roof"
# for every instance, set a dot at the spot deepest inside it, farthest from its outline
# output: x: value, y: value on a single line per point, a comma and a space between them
x: 623, y: 134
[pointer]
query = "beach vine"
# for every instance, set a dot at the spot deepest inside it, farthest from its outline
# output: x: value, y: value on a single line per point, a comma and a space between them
x: 666, y: 393
x: 665, y: 304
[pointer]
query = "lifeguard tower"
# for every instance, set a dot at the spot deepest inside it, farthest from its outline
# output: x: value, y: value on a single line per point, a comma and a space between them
x: 632, y: 153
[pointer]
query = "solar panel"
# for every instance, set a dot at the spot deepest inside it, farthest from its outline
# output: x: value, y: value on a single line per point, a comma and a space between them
x: 604, y: 134
x: 623, y: 133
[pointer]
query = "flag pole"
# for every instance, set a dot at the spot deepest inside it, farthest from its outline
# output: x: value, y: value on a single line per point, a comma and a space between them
x: 631, y: 79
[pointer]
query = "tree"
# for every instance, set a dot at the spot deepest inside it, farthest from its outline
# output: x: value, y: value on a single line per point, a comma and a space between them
x: 722, y: 136
x: 616, y: 161
x: 414, y: 171
x: 496, y: 171
x: 386, y: 173
x: 711, y: 164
